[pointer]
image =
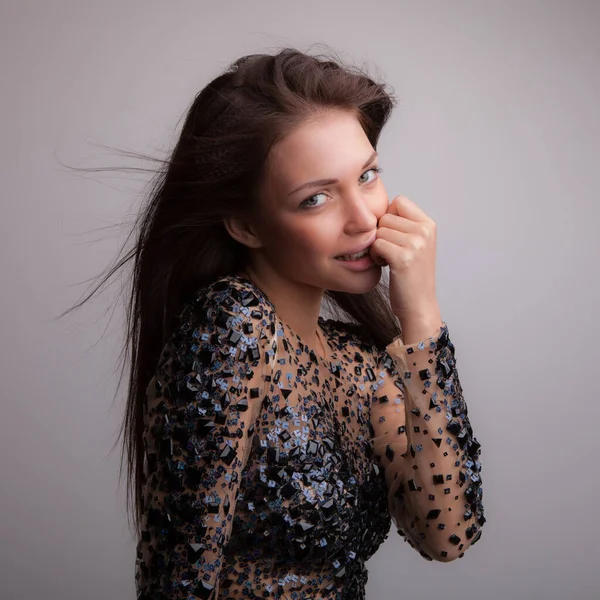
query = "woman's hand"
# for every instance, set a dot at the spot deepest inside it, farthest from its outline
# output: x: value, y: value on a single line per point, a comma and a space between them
x: 406, y: 241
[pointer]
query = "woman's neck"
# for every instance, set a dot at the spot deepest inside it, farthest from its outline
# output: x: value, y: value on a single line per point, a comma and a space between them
x: 296, y: 304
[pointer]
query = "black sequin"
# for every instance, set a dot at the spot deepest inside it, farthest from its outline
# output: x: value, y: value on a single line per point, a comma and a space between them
x: 272, y: 472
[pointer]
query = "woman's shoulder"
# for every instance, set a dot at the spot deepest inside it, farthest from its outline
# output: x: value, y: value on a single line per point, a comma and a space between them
x: 229, y: 305
x: 229, y: 293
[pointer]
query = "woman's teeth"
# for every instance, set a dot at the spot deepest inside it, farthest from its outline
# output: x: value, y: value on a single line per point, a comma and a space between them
x: 354, y: 256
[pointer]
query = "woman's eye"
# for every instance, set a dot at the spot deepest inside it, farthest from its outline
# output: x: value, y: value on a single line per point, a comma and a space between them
x: 376, y: 169
x: 306, y: 202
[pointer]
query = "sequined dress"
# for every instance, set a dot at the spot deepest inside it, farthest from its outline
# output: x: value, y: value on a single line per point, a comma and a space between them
x: 272, y: 471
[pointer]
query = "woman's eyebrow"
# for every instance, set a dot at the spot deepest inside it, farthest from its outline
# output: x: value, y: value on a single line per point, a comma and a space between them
x: 318, y: 182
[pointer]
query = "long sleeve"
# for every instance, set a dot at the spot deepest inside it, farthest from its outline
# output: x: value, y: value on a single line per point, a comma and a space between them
x: 202, y: 409
x: 425, y: 444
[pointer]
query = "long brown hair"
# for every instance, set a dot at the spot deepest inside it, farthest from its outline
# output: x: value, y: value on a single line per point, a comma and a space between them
x: 214, y: 172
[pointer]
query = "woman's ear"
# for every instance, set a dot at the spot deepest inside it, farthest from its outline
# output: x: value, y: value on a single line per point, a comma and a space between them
x: 242, y: 231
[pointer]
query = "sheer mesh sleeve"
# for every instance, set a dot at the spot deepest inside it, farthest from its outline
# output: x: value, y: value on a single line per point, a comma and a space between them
x: 424, y: 442
x: 201, y: 411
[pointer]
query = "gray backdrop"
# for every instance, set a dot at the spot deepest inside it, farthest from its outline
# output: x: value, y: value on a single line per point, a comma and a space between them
x: 495, y: 137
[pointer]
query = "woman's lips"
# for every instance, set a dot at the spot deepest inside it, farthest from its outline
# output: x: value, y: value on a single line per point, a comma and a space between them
x: 359, y: 249
x: 359, y: 264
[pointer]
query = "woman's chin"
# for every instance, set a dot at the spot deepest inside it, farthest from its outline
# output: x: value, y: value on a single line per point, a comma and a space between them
x: 357, y: 282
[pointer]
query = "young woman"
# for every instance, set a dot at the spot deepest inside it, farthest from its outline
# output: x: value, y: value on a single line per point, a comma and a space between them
x: 273, y: 448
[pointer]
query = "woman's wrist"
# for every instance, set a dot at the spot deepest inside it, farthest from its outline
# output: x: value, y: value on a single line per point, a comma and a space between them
x: 416, y: 328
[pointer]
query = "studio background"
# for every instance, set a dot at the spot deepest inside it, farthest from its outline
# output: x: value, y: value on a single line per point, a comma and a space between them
x: 495, y: 135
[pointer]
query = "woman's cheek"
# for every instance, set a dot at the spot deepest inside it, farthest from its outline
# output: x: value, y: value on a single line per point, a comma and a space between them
x: 382, y: 205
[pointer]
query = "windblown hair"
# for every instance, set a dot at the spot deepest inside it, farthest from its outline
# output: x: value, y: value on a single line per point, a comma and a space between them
x: 215, y: 171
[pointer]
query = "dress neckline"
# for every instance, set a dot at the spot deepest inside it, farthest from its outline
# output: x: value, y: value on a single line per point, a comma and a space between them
x: 321, y: 338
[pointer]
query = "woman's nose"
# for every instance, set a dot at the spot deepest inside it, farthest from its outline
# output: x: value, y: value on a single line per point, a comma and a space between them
x: 360, y: 213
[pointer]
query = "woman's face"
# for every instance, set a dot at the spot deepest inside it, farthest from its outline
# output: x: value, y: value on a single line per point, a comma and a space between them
x: 302, y: 226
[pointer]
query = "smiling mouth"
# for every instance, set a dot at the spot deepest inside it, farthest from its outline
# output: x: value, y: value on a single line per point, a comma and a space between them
x: 356, y: 256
